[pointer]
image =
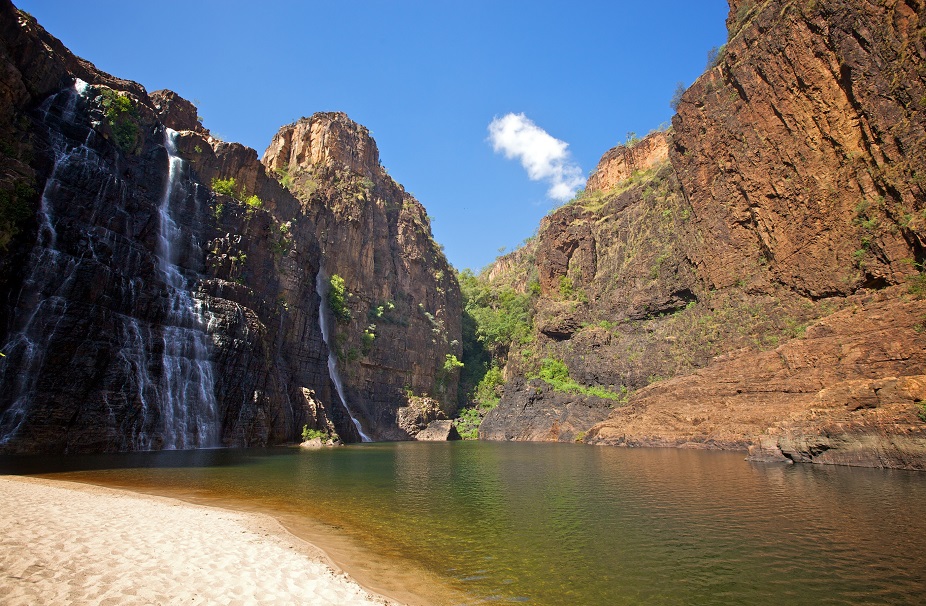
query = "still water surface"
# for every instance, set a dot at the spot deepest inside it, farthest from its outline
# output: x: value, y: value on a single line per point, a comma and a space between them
x: 572, y: 524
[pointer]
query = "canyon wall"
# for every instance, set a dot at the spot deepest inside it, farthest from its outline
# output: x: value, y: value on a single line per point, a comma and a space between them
x: 159, y: 286
x: 754, y: 276
x: 400, y: 335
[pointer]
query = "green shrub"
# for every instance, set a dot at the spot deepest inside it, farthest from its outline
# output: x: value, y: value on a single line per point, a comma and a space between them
x: 486, y: 392
x: 120, y: 114
x: 367, y: 338
x: 226, y: 187
x: 715, y: 56
x: 451, y: 363
x: 916, y: 285
x: 254, y: 203
x: 311, y: 434
x: 556, y: 374
x: 566, y: 287
x: 677, y: 96
x: 337, y: 299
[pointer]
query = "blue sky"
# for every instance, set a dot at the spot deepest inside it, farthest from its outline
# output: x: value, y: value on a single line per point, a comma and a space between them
x: 426, y: 77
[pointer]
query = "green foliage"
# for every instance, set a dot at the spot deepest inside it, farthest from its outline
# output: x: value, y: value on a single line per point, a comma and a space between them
x: 120, y: 113
x: 219, y: 211
x: 556, y: 374
x: 468, y: 422
x: 367, y: 338
x: 226, y: 187
x: 284, y: 243
x: 311, y: 434
x: 15, y: 210
x: 337, y: 299
x: 502, y: 316
x: 916, y: 285
x: 487, y: 391
x: 286, y: 179
x: 451, y: 363
x: 566, y: 287
x: 921, y: 413
x: 495, y: 318
x: 254, y: 203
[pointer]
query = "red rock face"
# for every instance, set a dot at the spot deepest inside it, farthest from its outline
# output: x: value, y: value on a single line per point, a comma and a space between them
x: 804, y: 147
x: 794, y: 186
x: 619, y: 163
x: 403, y: 296
x: 849, y: 392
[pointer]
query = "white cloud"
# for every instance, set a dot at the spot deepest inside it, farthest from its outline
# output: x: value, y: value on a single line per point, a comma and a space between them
x: 544, y: 157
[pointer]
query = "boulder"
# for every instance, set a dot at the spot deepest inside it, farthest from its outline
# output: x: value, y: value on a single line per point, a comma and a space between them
x: 439, y: 431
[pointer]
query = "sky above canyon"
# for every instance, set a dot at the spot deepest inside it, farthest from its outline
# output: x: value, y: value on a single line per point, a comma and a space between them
x: 491, y: 113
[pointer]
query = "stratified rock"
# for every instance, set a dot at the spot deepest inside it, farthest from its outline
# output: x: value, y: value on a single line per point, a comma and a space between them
x: 438, y: 431
x: 803, y: 145
x: 127, y: 327
x: 849, y: 392
x: 793, y: 188
x: 404, y: 301
x: 620, y: 163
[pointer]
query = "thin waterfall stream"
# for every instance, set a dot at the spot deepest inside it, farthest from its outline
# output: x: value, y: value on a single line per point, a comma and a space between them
x: 321, y: 287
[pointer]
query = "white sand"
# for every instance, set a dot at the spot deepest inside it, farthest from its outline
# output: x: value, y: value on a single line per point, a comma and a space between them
x: 63, y: 543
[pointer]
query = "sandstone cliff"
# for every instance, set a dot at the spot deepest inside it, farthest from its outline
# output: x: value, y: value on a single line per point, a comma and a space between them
x: 159, y: 286
x: 402, y: 333
x: 788, y: 190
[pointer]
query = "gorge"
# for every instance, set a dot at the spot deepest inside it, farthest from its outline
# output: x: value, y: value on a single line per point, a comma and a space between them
x: 749, y: 278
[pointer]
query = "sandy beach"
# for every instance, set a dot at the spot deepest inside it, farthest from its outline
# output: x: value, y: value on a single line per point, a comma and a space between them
x: 64, y: 543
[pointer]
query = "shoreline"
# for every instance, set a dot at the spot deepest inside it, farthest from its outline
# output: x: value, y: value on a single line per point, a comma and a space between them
x: 64, y: 541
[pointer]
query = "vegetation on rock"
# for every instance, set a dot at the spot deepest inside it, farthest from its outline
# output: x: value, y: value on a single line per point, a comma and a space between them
x: 121, y: 115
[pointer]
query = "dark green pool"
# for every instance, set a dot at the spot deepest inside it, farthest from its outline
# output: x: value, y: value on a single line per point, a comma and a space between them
x: 571, y: 524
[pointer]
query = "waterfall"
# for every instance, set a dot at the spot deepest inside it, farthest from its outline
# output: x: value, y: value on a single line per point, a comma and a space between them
x: 187, y: 405
x: 321, y: 287
x: 156, y: 385
x: 50, y: 274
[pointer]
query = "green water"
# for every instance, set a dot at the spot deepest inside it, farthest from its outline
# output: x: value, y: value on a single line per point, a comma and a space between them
x: 571, y: 524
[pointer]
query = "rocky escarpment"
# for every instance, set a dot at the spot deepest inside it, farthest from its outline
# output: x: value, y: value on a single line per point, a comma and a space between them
x: 773, y: 263
x: 398, y: 338
x: 131, y: 319
x: 159, y: 286
x: 802, y: 150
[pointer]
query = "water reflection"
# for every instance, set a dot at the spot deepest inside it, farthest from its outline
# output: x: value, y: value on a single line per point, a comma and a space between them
x: 566, y: 524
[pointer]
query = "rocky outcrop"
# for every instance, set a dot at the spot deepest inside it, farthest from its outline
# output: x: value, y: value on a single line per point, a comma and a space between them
x: 849, y: 392
x: 159, y: 288
x: 439, y: 431
x: 534, y: 411
x: 144, y: 311
x: 402, y: 330
x: 619, y: 163
x: 790, y: 198
x: 801, y: 152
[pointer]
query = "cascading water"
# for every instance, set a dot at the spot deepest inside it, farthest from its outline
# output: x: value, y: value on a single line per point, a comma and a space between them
x: 187, y: 388
x: 49, y: 273
x: 321, y: 287
x: 94, y: 316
